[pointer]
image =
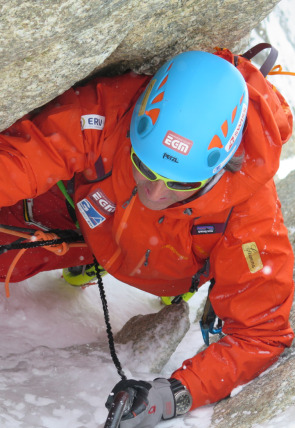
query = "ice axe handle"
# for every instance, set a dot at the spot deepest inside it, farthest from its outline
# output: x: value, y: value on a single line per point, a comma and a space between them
x: 117, y: 410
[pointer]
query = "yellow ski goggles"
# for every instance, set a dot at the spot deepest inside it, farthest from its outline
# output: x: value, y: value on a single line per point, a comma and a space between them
x: 153, y: 176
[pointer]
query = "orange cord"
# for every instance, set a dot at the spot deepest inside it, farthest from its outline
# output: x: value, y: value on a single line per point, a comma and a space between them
x: 278, y: 69
x: 58, y: 249
x: 10, y: 270
x: 15, y: 233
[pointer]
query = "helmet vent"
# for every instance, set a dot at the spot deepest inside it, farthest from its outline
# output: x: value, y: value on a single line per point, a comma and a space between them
x: 213, y: 158
x: 143, y: 125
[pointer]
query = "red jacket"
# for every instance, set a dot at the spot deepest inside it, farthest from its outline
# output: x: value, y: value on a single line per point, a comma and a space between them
x: 237, y: 224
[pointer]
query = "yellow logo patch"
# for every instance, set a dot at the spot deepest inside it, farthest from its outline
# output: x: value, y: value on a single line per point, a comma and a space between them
x: 252, y: 257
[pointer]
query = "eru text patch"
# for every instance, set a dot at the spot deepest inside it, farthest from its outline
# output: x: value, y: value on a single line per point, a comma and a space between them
x: 92, y: 121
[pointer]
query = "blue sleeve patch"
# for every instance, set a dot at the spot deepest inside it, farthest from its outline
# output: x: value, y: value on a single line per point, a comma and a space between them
x: 91, y: 216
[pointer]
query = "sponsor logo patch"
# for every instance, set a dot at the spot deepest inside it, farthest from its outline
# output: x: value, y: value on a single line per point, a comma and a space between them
x: 92, y: 121
x: 172, y: 158
x: 152, y: 410
x: 91, y: 216
x: 177, y: 143
x: 252, y: 257
x: 102, y: 202
x: 237, y: 130
x: 204, y: 230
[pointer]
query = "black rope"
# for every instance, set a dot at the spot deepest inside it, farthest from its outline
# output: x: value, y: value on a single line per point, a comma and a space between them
x: 108, y: 324
x: 69, y: 236
x: 34, y: 244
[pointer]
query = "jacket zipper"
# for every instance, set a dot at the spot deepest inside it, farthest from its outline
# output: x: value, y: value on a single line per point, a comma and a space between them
x: 134, y: 191
x: 147, y: 254
x: 142, y: 262
x: 129, y: 203
x: 127, y: 206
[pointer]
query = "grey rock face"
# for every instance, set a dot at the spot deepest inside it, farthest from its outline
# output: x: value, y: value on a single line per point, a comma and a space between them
x: 152, y: 339
x: 262, y: 399
x: 46, y: 47
x: 286, y: 194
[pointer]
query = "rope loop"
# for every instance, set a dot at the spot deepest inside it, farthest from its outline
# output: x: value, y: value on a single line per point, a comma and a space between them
x: 278, y: 69
x: 58, y: 249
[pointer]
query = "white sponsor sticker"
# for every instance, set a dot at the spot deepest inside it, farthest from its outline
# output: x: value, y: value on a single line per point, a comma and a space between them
x: 90, y: 214
x: 177, y: 143
x: 102, y: 201
x: 232, y: 144
x: 238, y: 129
x: 92, y: 121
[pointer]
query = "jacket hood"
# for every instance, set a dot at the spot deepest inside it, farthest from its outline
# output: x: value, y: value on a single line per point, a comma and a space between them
x: 269, y: 125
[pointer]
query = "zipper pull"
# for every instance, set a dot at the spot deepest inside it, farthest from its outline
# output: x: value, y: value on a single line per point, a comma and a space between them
x: 147, y: 254
x: 134, y: 191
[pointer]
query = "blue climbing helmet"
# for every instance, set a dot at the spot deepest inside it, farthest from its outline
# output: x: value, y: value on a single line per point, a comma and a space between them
x: 188, y: 123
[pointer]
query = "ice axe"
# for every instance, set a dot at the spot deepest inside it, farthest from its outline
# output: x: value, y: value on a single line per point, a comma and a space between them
x: 117, y: 409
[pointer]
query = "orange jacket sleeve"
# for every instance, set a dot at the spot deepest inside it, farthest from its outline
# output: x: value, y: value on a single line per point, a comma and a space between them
x: 253, y: 295
x: 37, y: 152
x: 43, y: 148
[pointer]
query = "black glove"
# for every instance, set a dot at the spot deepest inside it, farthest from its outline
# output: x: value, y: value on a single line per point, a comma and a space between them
x: 148, y: 402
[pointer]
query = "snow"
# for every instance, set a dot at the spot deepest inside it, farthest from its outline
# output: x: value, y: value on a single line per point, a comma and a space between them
x: 56, y: 370
x: 286, y: 166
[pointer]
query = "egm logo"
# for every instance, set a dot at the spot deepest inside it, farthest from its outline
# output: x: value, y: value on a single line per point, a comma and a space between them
x: 91, y: 216
x: 177, y: 143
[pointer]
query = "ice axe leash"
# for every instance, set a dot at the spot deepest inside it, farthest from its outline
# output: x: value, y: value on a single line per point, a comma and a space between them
x: 121, y: 400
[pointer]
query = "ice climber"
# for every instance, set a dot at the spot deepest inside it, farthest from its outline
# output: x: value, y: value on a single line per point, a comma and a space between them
x: 171, y: 178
